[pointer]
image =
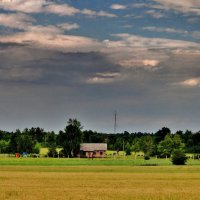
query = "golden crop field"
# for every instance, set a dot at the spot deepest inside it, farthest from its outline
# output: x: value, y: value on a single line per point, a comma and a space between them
x: 99, y: 183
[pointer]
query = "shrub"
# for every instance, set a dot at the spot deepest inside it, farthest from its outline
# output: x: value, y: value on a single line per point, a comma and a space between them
x: 179, y: 157
x: 52, y: 152
x: 61, y: 154
x: 128, y: 149
x: 146, y: 156
x: 37, y: 148
x: 4, y: 146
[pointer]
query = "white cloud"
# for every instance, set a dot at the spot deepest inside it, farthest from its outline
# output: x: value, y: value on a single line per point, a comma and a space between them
x: 5, y: 1
x: 157, y: 43
x: 194, y: 34
x: 97, y: 80
x: 151, y: 63
x: 118, y: 7
x: 155, y: 14
x: 37, y: 6
x: 192, y: 82
x: 18, y: 20
x: 130, y: 63
x: 168, y: 30
x: 126, y: 50
x: 38, y: 37
x: 44, y: 29
x: 92, y: 13
x: 68, y: 26
x: 139, y: 5
x: 183, y: 6
x: 24, y: 22
x: 105, y: 14
x: 30, y: 6
x: 61, y: 9
x: 103, y: 78
x: 132, y: 51
x: 52, y: 29
x: 135, y: 63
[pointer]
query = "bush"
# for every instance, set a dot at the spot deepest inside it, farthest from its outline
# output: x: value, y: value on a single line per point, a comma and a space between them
x: 52, y: 152
x: 61, y: 154
x: 146, y: 156
x: 179, y: 157
x: 37, y: 148
x: 128, y: 149
x: 4, y: 146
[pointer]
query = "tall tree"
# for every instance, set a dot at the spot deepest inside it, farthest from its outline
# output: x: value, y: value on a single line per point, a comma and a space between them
x: 136, y: 146
x: 165, y: 147
x: 21, y: 142
x: 160, y: 135
x: 71, y: 138
x: 171, y: 143
x: 4, y: 146
x: 147, y: 145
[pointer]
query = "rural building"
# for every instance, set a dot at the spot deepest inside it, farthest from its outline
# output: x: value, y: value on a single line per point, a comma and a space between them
x: 93, y: 150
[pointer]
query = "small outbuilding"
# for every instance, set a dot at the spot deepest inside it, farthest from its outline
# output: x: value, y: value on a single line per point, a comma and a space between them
x: 93, y: 150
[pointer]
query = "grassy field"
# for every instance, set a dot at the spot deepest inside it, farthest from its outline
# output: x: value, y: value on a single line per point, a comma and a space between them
x: 99, y: 182
x: 121, y: 161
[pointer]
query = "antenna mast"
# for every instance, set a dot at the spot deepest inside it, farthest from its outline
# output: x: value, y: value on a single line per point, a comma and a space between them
x: 115, y: 121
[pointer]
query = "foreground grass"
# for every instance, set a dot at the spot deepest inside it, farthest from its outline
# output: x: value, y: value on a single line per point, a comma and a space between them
x: 99, y: 182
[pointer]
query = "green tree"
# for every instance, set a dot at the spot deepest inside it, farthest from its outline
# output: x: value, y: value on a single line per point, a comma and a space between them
x: 171, y: 143
x: 165, y: 147
x: 4, y: 146
x: 52, y: 152
x: 25, y: 143
x: 136, y: 146
x: 177, y: 142
x: 13, y: 146
x: 71, y: 138
x: 119, y: 144
x: 37, y: 134
x: 4, y: 135
x: 128, y: 149
x: 147, y: 145
x: 50, y: 139
x: 160, y: 135
x: 37, y: 148
x: 179, y: 157
x: 21, y: 142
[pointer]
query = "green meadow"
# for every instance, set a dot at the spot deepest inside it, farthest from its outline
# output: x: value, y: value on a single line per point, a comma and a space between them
x: 12, y: 161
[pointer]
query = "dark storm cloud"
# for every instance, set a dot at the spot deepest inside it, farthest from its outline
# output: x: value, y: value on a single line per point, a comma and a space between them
x: 25, y: 64
x: 53, y: 85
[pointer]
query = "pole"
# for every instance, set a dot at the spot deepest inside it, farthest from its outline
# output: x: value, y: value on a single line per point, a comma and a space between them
x: 115, y: 121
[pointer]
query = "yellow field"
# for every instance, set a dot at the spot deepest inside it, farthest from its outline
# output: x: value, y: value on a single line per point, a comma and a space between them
x: 99, y: 182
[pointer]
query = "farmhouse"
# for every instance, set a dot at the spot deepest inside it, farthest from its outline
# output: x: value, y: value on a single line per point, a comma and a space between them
x: 93, y: 150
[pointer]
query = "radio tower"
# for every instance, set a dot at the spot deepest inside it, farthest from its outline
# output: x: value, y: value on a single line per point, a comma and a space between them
x: 115, y: 121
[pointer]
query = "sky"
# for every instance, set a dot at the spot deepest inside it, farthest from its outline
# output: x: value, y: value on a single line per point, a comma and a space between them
x: 88, y: 59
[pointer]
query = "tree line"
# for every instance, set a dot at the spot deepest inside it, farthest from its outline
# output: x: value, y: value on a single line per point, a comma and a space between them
x: 161, y: 143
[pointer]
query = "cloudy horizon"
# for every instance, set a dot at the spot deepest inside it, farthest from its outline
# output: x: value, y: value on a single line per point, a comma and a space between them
x: 64, y: 59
